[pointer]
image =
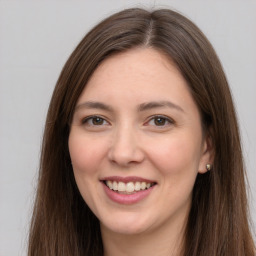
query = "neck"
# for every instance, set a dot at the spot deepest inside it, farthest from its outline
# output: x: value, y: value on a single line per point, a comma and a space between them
x: 162, y: 241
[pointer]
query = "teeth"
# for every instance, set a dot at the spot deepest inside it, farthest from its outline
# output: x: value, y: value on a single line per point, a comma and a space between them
x: 121, y: 187
x: 115, y: 185
x: 143, y: 185
x: 137, y: 186
x: 110, y: 184
x: 129, y: 187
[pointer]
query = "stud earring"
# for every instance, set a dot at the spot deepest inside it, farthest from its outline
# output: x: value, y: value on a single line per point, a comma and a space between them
x: 208, y: 167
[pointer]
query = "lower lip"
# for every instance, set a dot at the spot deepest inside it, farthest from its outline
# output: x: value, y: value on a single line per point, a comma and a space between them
x: 127, y: 198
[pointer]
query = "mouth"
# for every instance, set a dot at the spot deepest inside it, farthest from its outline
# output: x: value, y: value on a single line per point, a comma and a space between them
x: 129, y: 187
x: 127, y: 190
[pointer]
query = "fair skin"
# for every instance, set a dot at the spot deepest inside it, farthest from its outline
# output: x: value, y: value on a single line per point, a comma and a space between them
x: 136, y: 121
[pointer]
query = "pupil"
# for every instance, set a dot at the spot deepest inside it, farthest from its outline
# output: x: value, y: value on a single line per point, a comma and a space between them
x: 159, y: 121
x: 97, y: 121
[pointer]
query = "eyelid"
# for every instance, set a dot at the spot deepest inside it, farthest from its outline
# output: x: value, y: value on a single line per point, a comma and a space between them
x: 151, y: 118
x: 168, y: 119
x: 85, y: 119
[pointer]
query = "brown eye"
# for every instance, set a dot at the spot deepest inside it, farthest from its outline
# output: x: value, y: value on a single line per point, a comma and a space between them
x: 97, y: 121
x: 160, y: 121
x: 94, y: 121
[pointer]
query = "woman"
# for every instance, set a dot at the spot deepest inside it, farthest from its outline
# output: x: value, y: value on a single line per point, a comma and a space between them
x: 141, y: 151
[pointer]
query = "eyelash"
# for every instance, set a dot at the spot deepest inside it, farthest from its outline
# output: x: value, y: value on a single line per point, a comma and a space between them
x: 165, y: 120
x: 91, y: 118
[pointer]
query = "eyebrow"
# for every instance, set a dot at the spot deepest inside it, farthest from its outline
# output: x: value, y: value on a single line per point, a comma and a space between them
x: 94, y: 105
x: 158, y: 104
x: 142, y: 107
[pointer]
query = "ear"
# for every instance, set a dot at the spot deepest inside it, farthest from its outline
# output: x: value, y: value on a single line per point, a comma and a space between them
x: 207, y: 153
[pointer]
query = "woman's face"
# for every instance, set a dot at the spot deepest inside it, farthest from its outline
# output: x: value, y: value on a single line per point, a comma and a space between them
x: 136, y: 143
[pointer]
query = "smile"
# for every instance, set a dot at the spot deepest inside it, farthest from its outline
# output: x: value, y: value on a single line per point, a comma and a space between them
x: 127, y: 190
x: 128, y: 187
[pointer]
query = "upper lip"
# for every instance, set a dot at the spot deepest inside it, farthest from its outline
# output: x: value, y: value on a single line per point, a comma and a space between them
x: 127, y: 179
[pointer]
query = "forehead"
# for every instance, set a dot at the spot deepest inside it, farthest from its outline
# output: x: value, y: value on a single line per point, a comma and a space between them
x: 135, y: 63
x: 140, y: 70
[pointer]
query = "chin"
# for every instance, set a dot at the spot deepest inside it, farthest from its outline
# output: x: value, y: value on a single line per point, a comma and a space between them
x: 126, y: 225
x: 127, y: 229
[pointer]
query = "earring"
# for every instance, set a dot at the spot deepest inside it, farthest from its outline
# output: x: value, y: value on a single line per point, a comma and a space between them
x: 208, y: 167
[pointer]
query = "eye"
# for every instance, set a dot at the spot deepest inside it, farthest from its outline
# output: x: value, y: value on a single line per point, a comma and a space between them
x: 94, y: 121
x: 160, y: 121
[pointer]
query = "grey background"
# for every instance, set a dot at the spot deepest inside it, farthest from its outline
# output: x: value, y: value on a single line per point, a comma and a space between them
x: 36, y: 38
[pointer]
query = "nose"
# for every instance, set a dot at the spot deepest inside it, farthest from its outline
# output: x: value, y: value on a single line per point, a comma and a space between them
x: 125, y: 148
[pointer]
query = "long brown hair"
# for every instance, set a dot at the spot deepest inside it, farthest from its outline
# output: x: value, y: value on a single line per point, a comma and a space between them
x: 62, y: 223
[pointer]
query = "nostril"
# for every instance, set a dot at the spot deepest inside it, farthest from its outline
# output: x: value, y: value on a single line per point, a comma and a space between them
x: 125, y: 157
x: 125, y: 148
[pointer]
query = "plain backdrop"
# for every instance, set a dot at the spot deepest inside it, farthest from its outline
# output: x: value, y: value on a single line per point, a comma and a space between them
x: 36, y: 38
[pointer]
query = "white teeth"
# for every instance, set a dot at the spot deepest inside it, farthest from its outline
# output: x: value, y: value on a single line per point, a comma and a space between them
x: 121, y: 187
x: 129, y: 187
x: 137, y: 186
x: 143, y: 185
x: 114, y: 185
x: 109, y: 184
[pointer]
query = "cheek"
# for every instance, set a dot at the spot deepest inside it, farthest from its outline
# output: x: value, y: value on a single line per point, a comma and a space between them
x: 177, y: 154
x: 85, y: 154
